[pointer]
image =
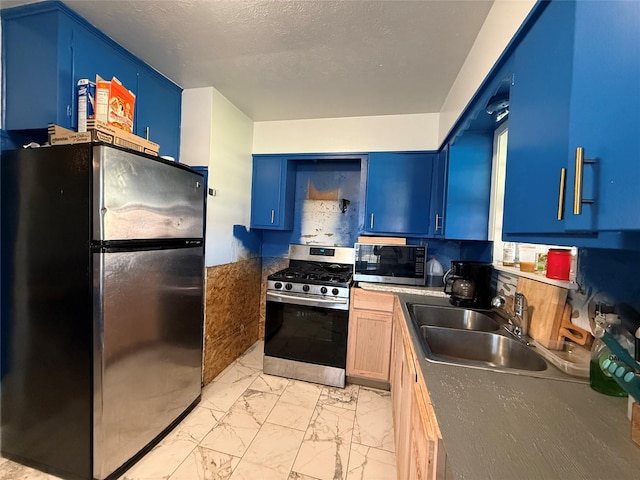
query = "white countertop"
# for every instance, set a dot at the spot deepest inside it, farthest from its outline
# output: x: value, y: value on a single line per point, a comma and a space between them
x: 386, y: 287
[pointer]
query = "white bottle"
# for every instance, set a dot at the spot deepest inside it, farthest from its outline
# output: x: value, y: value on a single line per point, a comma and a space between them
x: 434, y: 273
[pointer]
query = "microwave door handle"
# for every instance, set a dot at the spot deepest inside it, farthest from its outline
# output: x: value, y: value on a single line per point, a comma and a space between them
x: 312, y: 302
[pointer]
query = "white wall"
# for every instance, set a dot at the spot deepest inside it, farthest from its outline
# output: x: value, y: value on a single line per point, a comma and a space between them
x: 351, y: 134
x: 215, y: 133
x: 503, y: 21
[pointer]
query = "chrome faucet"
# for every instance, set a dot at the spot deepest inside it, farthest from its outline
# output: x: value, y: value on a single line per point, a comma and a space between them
x: 519, y: 318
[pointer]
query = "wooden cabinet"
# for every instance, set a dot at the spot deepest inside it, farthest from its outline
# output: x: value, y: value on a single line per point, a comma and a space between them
x: 420, y: 451
x: 398, y: 193
x: 369, y: 340
x: 272, y: 193
x: 47, y: 48
x: 578, y: 62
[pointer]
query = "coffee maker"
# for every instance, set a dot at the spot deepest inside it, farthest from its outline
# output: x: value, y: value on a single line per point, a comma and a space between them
x: 469, y: 284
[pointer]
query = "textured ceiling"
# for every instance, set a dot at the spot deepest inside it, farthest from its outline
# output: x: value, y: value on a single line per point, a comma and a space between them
x: 278, y: 60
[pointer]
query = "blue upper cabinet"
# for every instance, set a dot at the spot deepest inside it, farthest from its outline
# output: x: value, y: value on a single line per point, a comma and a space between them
x: 577, y: 77
x: 37, y: 67
x: 438, y: 193
x: 158, y: 111
x: 469, y: 187
x: 398, y: 193
x: 272, y: 193
x: 47, y: 48
x: 605, y: 116
x: 539, y: 124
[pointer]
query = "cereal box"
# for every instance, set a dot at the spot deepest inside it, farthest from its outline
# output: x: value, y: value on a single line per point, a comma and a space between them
x: 114, y: 104
x: 86, y: 102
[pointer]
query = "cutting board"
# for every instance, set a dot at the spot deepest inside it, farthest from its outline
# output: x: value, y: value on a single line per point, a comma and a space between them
x: 546, y: 305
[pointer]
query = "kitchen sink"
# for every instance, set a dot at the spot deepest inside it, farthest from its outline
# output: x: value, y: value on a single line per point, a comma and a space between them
x: 478, y: 339
x: 482, y: 349
x: 452, y: 317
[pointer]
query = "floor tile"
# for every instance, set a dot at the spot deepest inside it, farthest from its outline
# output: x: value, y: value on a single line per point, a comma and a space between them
x: 205, y: 464
x: 223, y: 393
x: 374, y: 423
x: 324, y: 452
x: 296, y: 405
x: 300, y: 476
x: 370, y: 463
x: 253, y: 356
x: 163, y: 459
x: 270, y: 455
x: 346, y: 397
x: 269, y: 384
x: 198, y: 423
x: 14, y: 471
x: 236, y: 430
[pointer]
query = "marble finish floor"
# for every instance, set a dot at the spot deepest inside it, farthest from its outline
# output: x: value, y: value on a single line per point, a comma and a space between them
x: 252, y: 426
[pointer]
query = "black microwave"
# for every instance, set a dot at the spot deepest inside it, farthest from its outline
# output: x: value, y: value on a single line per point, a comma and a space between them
x: 398, y: 264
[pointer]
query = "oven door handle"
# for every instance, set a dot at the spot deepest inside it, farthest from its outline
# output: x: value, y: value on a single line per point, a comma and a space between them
x: 341, y: 303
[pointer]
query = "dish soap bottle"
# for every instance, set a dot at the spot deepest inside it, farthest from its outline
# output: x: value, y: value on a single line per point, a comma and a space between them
x: 600, y: 377
x: 434, y: 273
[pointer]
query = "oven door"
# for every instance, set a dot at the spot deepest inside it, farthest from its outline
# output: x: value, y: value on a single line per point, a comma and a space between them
x: 300, y: 329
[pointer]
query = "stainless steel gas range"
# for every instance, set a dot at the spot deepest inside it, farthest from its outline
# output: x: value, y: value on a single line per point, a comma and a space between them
x: 307, y: 315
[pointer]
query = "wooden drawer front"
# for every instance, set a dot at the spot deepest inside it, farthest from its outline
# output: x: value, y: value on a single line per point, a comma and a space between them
x: 363, y: 300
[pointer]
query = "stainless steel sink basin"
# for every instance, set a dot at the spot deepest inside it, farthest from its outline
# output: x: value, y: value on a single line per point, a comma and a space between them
x: 477, y: 339
x: 452, y: 317
x: 481, y: 349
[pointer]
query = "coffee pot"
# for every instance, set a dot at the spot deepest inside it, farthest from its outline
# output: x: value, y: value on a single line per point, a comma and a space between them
x: 469, y: 284
x: 462, y: 288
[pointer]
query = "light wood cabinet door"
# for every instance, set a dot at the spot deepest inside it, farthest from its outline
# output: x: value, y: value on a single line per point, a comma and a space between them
x: 369, y: 346
x: 370, y: 331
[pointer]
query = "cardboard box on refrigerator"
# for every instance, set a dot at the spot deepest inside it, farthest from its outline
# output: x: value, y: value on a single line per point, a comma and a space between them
x: 101, y: 132
x: 114, y: 104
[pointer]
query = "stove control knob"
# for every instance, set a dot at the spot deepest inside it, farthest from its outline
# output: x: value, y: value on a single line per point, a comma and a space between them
x: 278, y: 285
x: 335, y: 291
x: 288, y: 286
x: 323, y: 290
x: 305, y: 288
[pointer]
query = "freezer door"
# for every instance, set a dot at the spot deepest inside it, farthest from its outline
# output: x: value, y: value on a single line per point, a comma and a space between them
x: 148, y: 347
x: 137, y: 198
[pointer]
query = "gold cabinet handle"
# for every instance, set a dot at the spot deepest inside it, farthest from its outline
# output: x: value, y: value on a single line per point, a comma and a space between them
x: 577, y: 185
x: 563, y: 183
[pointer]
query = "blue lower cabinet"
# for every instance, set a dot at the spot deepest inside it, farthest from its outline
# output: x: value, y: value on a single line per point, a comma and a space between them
x: 398, y: 193
x: 272, y: 193
x: 469, y: 187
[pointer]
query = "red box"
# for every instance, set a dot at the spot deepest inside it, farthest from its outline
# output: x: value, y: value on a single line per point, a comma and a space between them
x: 114, y: 104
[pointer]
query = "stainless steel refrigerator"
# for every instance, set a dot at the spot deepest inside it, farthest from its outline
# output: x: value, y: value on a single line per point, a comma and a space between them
x: 102, y: 305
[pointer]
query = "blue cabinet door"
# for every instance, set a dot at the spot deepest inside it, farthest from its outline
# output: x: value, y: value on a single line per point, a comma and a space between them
x: 37, y: 68
x: 469, y: 187
x: 94, y: 54
x: 398, y: 193
x: 438, y: 193
x: 576, y: 85
x: 605, y: 115
x: 158, y: 111
x: 272, y: 193
x: 539, y: 123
